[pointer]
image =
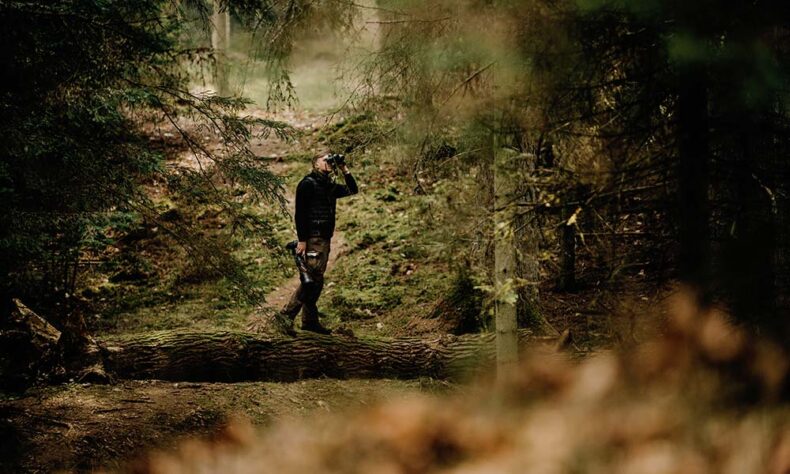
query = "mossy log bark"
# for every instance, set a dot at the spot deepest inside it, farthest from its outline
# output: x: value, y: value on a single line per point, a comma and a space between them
x: 230, y: 356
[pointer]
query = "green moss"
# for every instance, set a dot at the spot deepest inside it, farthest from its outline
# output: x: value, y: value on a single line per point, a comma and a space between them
x: 353, y: 134
x: 389, y: 276
x: 392, y: 272
x: 181, y: 292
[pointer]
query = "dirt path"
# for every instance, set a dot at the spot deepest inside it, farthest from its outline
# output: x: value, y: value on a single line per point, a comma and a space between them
x: 277, y: 298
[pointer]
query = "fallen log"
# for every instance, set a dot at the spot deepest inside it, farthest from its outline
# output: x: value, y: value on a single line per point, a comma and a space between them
x: 29, y: 347
x: 234, y: 356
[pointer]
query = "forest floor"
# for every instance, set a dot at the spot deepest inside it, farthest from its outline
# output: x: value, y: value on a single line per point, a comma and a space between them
x: 83, y: 427
x: 387, y: 276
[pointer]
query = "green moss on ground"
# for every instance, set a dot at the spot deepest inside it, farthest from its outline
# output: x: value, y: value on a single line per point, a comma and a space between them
x: 389, y: 278
x: 392, y: 273
x: 148, y: 281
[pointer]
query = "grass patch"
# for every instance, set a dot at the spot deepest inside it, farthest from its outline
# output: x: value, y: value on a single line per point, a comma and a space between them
x: 392, y: 272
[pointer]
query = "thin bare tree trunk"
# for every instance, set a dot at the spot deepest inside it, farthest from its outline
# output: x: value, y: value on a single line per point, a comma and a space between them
x: 220, y: 43
x: 504, y: 260
x: 567, y: 278
x: 693, y: 157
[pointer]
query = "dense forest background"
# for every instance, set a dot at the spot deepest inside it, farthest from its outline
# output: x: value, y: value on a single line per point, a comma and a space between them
x: 570, y: 165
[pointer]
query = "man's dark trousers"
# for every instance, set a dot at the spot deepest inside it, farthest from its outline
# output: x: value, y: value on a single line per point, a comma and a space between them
x: 306, y: 296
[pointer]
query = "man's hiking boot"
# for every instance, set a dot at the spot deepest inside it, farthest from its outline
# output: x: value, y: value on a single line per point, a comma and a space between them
x: 313, y: 325
x: 283, y: 324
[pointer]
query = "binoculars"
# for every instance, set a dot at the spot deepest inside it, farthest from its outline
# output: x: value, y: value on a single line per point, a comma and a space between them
x: 335, y: 159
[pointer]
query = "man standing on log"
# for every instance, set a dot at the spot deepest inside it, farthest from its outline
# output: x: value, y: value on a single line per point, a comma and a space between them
x: 316, y: 197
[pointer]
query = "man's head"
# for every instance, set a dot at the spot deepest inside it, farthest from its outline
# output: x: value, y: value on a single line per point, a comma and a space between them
x: 320, y: 164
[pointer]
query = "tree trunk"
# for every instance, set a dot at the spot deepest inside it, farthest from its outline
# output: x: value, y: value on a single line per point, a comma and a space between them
x: 232, y: 356
x: 220, y: 43
x: 693, y: 156
x: 506, y: 323
x: 567, y: 278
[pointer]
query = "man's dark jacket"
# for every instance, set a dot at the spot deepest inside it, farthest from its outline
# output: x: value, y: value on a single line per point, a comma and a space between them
x: 316, y: 197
